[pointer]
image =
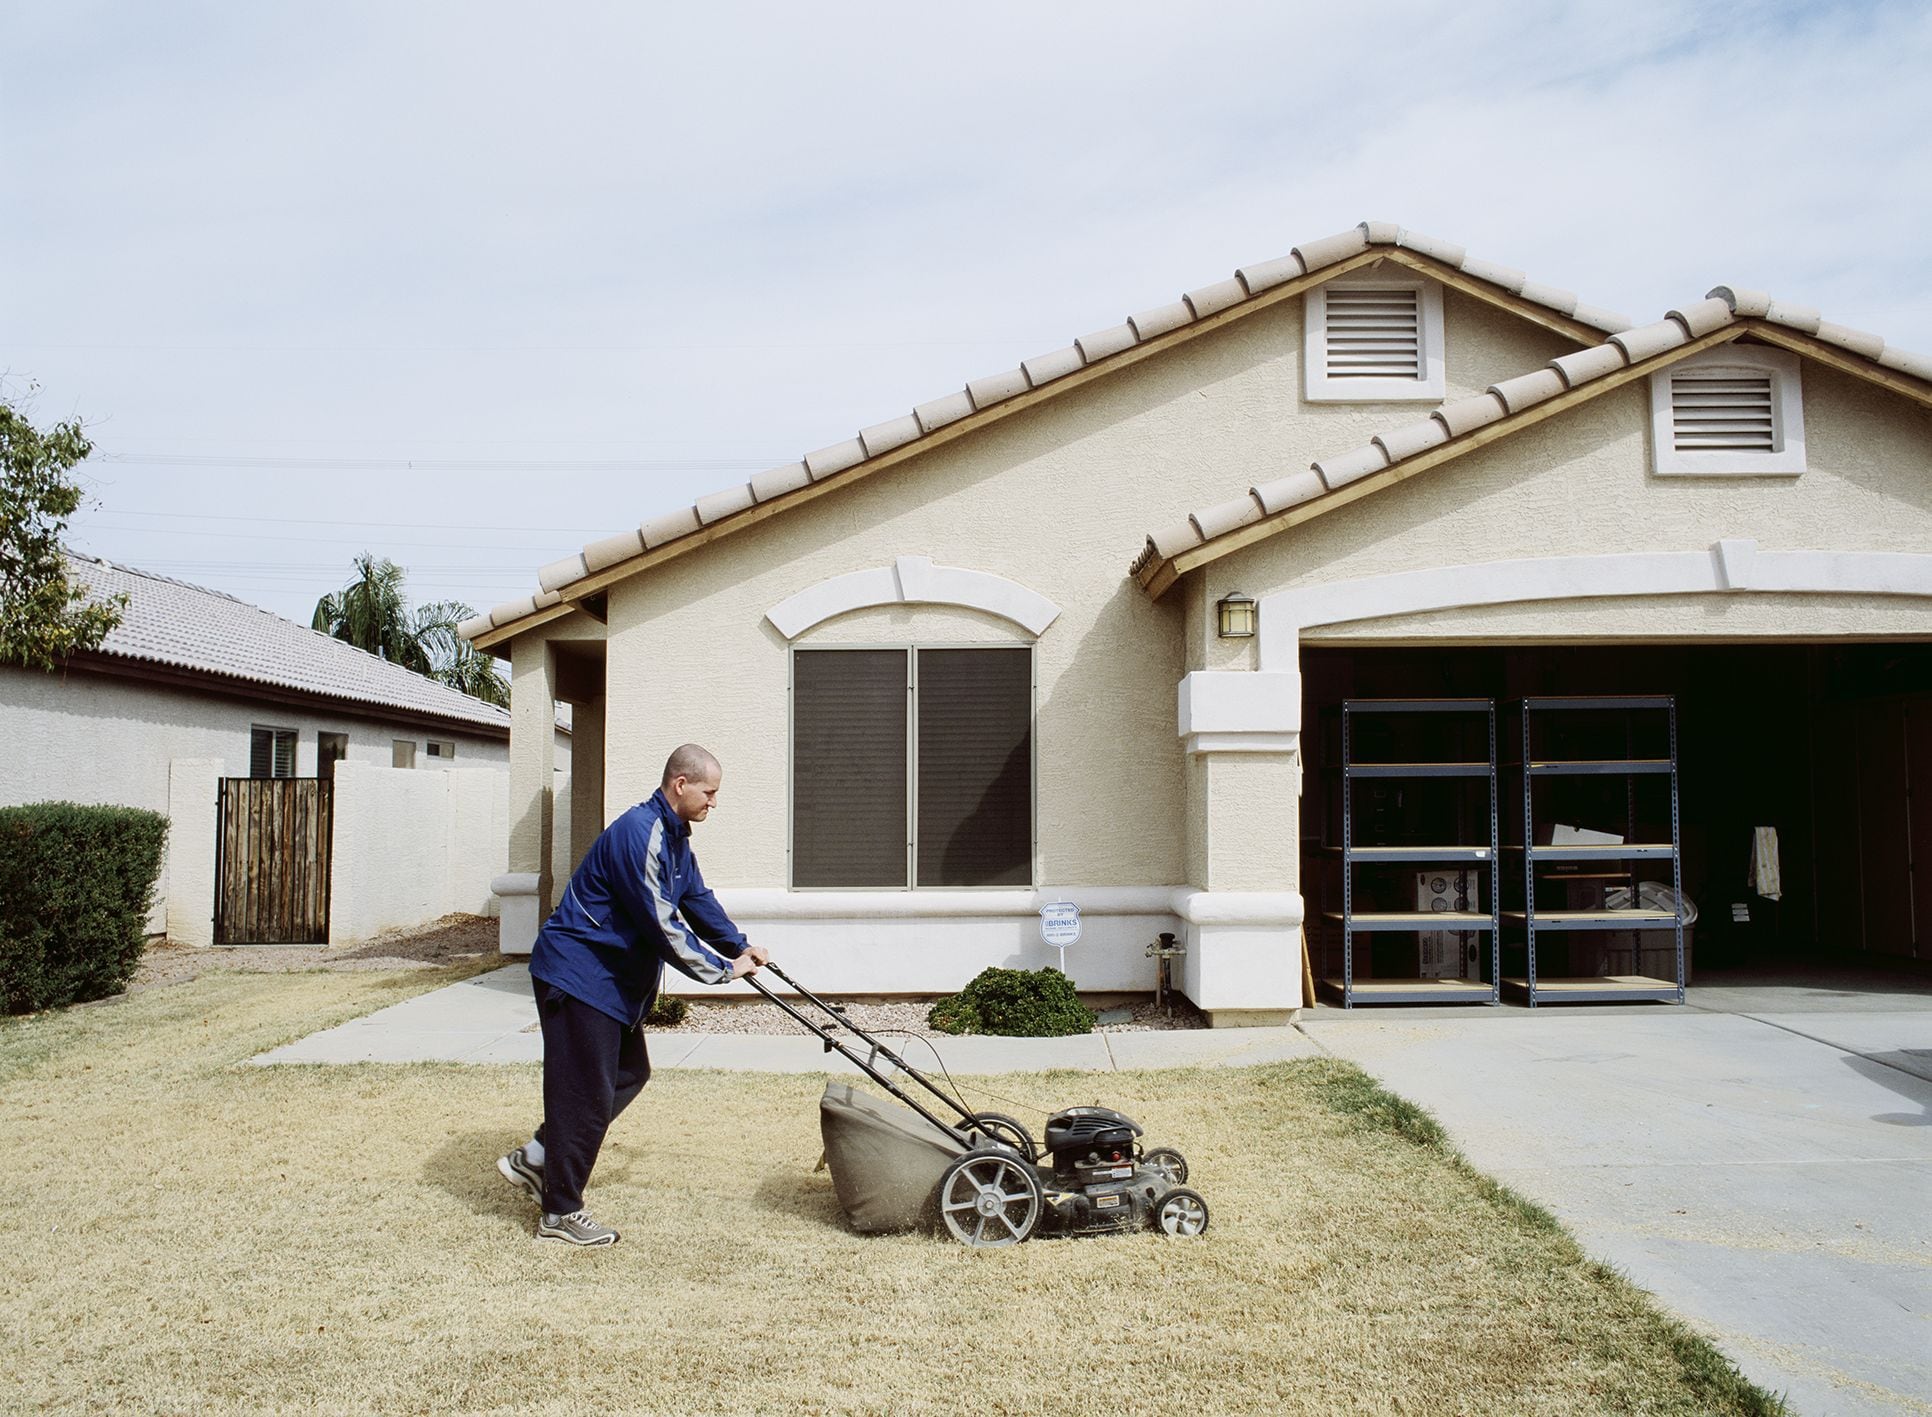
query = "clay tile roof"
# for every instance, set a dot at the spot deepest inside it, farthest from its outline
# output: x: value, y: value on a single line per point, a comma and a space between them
x: 1245, y: 284
x: 1723, y: 306
x: 182, y: 626
x: 1744, y: 303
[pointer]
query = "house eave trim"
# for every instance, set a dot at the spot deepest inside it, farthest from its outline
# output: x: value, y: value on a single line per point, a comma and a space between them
x: 1733, y: 565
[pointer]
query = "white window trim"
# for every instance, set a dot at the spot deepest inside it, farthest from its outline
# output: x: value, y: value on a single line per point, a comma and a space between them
x: 1432, y: 387
x: 1787, y: 412
x: 912, y: 580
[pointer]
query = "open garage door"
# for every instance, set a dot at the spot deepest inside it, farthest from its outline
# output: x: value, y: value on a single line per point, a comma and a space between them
x: 1827, y: 745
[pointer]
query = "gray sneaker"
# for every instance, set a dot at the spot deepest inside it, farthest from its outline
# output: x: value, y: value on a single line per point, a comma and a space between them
x: 577, y: 1228
x: 521, y: 1172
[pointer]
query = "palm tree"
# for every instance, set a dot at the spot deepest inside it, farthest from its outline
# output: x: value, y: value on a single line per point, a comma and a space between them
x: 371, y: 614
x: 449, y: 657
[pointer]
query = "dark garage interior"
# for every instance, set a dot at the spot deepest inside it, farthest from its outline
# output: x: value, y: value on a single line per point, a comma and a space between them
x: 1823, y: 743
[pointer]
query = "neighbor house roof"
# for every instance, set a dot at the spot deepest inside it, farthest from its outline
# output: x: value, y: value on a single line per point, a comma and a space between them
x: 207, y: 636
x: 1249, y: 289
x: 1462, y: 425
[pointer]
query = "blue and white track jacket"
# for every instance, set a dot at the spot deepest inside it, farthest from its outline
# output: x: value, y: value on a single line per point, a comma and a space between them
x: 636, y: 902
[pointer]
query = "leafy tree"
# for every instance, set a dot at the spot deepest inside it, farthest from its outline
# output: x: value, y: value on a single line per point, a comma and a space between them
x: 44, y: 615
x: 371, y: 613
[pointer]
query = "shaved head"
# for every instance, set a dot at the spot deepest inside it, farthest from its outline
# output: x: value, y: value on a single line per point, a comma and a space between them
x: 688, y: 760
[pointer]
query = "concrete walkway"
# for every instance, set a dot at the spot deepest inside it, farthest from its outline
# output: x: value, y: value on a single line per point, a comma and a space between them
x: 1760, y: 1160
x: 493, y: 1019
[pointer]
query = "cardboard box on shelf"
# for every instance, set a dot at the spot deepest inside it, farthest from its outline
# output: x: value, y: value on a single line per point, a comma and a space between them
x: 1561, y: 835
x: 1449, y: 954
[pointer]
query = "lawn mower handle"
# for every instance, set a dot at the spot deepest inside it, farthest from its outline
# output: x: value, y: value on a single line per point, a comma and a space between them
x: 864, y: 1064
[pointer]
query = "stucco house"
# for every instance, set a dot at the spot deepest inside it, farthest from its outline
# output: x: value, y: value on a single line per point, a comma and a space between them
x: 194, y: 686
x: 990, y: 654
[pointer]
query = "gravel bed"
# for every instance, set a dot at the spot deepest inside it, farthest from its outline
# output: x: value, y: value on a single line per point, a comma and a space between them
x: 464, y: 939
x: 908, y: 1016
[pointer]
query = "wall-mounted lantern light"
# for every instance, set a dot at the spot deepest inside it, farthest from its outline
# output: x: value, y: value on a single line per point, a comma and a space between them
x: 1237, y: 612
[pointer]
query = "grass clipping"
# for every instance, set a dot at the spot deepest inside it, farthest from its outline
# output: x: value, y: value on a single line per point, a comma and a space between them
x: 185, y: 1232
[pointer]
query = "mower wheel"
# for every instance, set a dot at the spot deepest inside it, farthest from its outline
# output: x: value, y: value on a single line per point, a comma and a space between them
x: 1169, y: 1162
x: 1181, y: 1212
x: 1002, y: 1128
x: 989, y: 1199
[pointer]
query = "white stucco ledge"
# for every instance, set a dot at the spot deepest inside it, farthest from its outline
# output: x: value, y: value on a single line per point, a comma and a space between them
x: 1199, y: 907
x: 1189, y: 903
x: 766, y: 903
x: 518, y: 912
x: 1236, y: 711
x: 912, y: 580
x: 1243, y: 962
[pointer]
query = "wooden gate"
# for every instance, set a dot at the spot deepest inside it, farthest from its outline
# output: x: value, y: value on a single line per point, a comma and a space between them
x: 272, y: 845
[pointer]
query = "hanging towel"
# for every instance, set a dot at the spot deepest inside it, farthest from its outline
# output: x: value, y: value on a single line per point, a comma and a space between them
x: 1764, y: 863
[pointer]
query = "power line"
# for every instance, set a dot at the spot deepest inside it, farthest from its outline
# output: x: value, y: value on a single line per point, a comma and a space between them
x: 341, y: 521
x: 363, y: 541
x: 406, y: 464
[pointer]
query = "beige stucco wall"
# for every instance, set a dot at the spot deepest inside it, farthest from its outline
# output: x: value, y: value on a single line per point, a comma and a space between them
x: 1058, y: 499
x: 94, y: 738
x: 1580, y: 484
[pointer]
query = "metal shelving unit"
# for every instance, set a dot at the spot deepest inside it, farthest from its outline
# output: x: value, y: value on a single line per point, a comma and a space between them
x: 1459, y: 855
x: 1531, y: 920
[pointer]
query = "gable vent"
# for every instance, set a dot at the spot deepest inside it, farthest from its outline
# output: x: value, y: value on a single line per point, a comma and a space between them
x: 1728, y: 411
x: 1374, y: 334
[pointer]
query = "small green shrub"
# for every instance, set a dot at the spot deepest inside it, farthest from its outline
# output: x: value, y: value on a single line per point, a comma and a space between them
x: 75, y: 885
x: 667, y: 1011
x: 1015, y: 1003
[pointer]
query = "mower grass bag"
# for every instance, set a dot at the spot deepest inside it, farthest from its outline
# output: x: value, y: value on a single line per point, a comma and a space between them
x: 885, y: 1160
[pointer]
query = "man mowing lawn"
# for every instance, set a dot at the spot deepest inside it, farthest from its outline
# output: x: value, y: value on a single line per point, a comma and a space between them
x: 637, y: 901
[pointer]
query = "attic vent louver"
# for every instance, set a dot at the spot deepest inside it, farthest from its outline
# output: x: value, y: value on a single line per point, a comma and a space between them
x: 1374, y: 333
x: 1730, y: 410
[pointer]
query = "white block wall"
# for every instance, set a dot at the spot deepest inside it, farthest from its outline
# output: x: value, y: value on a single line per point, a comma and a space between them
x: 413, y: 846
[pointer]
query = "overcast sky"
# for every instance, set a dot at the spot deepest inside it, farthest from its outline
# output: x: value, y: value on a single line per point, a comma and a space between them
x: 469, y: 284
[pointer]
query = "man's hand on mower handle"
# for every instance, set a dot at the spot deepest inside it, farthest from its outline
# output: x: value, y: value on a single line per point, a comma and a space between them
x: 749, y: 961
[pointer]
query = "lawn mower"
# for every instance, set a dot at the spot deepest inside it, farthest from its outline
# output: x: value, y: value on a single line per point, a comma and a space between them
x: 981, y: 1177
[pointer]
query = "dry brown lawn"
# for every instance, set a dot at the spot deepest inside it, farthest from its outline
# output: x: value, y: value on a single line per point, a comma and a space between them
x: 183, y: 1232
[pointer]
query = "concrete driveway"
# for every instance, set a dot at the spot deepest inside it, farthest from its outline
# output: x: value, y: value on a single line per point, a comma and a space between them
x: 1760, y: 1159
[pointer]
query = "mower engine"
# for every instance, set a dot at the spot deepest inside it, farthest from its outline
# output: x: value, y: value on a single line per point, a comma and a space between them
x: 1101, y: 1179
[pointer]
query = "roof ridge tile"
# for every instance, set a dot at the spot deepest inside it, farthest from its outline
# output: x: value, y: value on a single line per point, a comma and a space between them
x: 1351, y: 466
x: 1162, y: 318
x: 1266, y: 275
x: 937, y: 413
x: 1528, y: 390
x: 1465, y: 415
x: 1706, y: 315
x: 1507, y: 277
x: 1330, y: 249
x: 1045, y: 368
x: 1282, y: 493
x: 1646, y: 341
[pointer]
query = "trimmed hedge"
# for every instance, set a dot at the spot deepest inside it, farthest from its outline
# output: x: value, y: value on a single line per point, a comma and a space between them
x: 1015, y: 1003
x: 75, y: 886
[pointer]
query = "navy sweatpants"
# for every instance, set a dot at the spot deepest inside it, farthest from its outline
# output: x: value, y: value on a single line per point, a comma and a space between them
x: 593, y: 1067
